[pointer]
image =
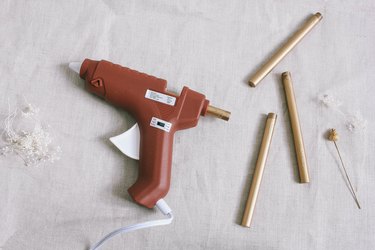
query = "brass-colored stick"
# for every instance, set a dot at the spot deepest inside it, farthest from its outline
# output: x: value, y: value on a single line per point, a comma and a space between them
x: 296, y: 128
x: 259, y: 168
x: 219, y: 113
x: 284, y: 49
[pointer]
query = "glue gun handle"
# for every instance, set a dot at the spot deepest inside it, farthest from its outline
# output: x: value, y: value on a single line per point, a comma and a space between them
x: 154, y: 166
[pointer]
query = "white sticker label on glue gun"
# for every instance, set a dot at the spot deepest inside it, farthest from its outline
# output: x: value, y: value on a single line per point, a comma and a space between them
x: 160, y: 124
x: 160, y: 97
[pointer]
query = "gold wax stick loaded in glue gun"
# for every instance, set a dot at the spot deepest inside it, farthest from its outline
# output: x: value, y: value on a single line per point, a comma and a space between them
x: 159, y: 114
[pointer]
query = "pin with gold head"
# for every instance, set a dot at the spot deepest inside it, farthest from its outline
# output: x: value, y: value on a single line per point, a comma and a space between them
x: 333, y: 136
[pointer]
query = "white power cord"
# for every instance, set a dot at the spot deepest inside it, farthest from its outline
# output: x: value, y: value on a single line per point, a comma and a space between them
x: 161, y: 205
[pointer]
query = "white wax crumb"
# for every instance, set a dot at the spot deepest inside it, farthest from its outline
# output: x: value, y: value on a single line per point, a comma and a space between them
x: 29, y: 110
x: 329, y: 101
x: 356, y: 123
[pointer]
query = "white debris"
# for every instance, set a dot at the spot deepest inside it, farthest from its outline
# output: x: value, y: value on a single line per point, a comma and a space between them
x: 353, y: 122
x: 33, y: 145
x: 29, y: 111
x: 329, y: 101
x: 356, y: 123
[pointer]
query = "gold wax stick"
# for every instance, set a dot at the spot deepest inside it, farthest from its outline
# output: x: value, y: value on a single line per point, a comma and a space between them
x: 296, y: 128
x: 259, y: 168
x: 219, y: 113
x: 284, y: 49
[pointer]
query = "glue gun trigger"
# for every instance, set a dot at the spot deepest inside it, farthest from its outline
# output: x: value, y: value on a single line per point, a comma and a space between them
x: 128, y: 142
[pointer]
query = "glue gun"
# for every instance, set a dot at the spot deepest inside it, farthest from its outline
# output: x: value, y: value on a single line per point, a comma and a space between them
x: 159, y: 114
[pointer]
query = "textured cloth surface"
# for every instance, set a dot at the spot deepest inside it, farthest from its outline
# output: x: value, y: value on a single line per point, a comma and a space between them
x: 212, y: 47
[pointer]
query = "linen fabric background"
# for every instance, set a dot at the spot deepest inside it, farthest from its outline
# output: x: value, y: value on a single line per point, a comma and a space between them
x: 212, y: 47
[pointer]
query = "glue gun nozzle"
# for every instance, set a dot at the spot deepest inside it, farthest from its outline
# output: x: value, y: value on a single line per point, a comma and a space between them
x: 219, y: 113
x: 75, y: 66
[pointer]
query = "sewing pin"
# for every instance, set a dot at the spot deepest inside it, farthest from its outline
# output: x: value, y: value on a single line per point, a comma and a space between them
x: 333, y: 136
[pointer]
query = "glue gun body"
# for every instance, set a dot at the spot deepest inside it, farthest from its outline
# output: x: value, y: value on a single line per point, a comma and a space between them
x: 159, y: 115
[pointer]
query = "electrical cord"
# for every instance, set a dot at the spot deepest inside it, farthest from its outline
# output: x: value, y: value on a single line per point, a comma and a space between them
x: 161, y: 205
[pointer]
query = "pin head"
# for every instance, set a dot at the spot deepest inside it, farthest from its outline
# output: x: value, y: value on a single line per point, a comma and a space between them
x: 333, y: 135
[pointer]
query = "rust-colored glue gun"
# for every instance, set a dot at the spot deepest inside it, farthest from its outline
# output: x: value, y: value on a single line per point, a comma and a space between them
x: 159, y: 114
